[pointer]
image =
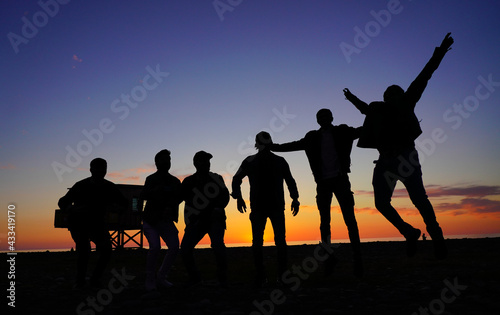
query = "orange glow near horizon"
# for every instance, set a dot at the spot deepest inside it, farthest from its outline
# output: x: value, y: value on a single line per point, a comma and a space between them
x: 40, y: 234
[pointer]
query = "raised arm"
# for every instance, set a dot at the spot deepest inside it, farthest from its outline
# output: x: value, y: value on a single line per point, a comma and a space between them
x: 360, y: 105
x: 418, y: 86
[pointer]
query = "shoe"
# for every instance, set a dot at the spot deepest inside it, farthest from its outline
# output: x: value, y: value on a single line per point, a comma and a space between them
x: 411, y: 242
x: 330, y: 264
x: 440, y: 249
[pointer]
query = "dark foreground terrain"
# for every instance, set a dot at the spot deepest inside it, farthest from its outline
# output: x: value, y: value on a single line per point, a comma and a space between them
x: 467, y: 282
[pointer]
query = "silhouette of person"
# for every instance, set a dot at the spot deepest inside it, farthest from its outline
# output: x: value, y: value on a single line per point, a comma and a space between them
x: 391, y: 127
x: 266, y: 173
x: 205, y: 195
x: 328, y: 151
x: 162, y: 192
x: 87, y: 202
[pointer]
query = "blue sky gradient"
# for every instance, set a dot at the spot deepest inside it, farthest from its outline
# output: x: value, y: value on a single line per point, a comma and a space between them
x: 259, y: 65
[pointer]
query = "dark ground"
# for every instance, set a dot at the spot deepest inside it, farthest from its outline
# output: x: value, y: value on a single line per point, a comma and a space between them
x: 467, y: 282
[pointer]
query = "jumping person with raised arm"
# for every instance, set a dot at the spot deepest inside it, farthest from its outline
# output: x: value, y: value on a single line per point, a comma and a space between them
x: 391, y: 127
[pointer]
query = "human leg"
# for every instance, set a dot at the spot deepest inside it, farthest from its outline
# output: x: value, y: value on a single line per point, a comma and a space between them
x: 153, y: 237
x: 416, y: 190
x: 323, y: 201
x: 216, y: 233
x: 258, y: 221
x: 82, y: 248
x: 385, y: 176
x: 278, y: 222
x: 345, y: 199
x: 100, y: 237
x: 192, y: 235
x: 170, y: 235
x: 384, y: 181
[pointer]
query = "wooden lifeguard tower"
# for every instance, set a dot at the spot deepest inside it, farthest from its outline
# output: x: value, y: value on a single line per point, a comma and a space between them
x: 125, y: 227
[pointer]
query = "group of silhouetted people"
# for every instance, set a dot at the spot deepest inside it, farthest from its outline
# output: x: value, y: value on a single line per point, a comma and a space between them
x: 390, y: 126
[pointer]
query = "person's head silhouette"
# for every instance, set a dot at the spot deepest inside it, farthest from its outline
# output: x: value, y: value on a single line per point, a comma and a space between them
x: 98, y: 168
x: 263, y: 141
x: 162, y: 160
x: 201, y: 161
x: 324, y: 117
x: 393, y: 94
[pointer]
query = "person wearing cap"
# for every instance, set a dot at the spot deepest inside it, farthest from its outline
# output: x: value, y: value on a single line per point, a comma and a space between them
x: 205, y: 195
x: 328, y: 151
x: 266, y: 172
x: 162, y: 191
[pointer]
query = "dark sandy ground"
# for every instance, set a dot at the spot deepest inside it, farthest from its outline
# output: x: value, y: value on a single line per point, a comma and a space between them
x: 467, y: 282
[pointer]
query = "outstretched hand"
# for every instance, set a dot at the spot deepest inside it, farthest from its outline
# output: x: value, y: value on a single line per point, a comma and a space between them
x: 447, y: 42
x: 295, y: 207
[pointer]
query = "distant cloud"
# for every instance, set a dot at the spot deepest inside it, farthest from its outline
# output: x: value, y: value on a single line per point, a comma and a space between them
x: 9, y: 166
x: 435, y: 191
x: 467, y: 191
x: 372, y: 210
x: 478, y: 206
x: 131, y: 176
x: 77, y: 59
x: 311, y: 208
x: 473, y: 200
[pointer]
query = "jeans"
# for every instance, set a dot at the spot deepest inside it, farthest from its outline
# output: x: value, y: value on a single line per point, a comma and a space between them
x: 167, y: 231
x: 405, y: 168
x: 341, y: 187
x: 258, y: 220
x: 215, y: 226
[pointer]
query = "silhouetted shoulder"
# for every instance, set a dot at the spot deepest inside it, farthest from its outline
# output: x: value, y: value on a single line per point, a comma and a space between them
x: 345, y: 127
x: 278, y: 158
x: 217, y: 177
x: 311, y: 134
x: 174, y: 179
x: 187, y: 179
x: 376, y: 106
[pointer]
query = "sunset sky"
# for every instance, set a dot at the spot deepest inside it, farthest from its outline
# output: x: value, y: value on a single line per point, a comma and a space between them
x: 124, y: 79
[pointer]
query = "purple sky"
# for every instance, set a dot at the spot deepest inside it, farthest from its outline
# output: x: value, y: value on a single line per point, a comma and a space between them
x: 124, y: 79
